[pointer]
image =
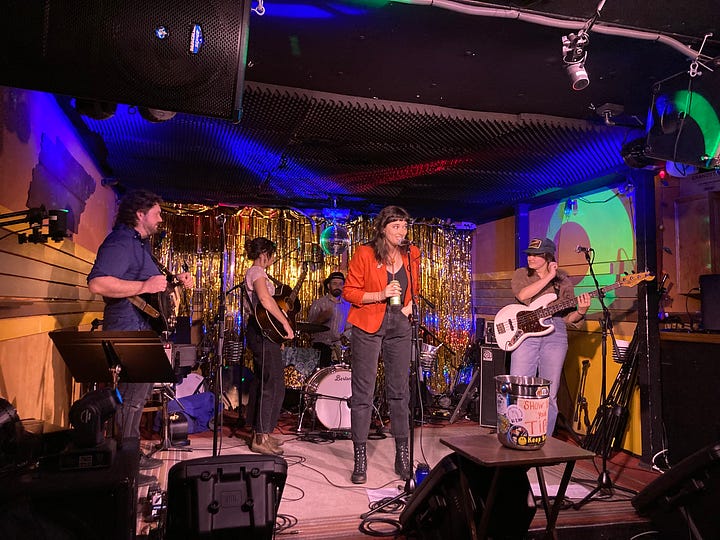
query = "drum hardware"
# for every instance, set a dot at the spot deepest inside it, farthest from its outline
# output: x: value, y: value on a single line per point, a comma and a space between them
x: 310, y: 328
x: 170, y: 434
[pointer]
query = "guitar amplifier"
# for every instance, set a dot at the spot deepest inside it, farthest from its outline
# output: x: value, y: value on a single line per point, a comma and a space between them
x: 490, y: 338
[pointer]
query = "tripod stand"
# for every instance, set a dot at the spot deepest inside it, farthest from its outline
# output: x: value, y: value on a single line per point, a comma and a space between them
x: 604, y: 482
x: 166, y: 394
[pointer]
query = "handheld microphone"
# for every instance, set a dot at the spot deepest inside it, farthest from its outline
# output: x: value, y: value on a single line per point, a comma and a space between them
x: 583, y: 249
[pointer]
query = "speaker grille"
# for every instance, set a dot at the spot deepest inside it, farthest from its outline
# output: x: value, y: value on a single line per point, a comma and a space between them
x: 172, y: 55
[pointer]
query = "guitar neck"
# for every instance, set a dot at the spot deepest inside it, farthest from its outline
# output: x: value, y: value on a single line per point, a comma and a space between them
x: 555, y: 307
x: 296, y: 288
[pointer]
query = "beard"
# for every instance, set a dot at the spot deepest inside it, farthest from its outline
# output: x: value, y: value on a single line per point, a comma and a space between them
x: 336, y: 292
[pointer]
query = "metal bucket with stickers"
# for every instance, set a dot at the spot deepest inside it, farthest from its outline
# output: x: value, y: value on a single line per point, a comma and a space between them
x: 522, y: 411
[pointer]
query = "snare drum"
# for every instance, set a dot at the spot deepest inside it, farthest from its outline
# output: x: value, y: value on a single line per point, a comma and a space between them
x: 331, y: 389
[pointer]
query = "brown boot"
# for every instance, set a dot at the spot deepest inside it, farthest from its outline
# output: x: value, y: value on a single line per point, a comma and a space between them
x: 277, y: 442
x: 260, y: 444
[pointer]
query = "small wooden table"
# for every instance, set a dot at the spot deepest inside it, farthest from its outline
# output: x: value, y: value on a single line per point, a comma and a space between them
x: 487, y: 451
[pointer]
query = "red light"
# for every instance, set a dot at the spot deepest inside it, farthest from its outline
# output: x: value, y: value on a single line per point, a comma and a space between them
x: 662, y: 174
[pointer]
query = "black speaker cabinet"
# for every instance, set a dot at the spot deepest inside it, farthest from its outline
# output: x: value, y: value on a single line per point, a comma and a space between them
x: 225, y: 497
x: 689, y: 370
x: 92, y: 504
x: 492, y: 363
x: 449, y: 502
x: 710, y: 301
x: 174, y: 55
x: 684, y: 499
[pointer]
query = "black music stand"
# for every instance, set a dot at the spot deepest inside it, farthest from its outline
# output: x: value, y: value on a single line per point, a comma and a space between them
x: 114, y: 356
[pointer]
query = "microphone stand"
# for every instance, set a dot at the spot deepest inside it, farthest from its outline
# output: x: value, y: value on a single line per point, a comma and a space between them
x: 604, y: 482
x: 221, y: 337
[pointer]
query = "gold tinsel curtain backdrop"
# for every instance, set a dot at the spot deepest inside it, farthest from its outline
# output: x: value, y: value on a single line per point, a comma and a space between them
x: 193, y: 239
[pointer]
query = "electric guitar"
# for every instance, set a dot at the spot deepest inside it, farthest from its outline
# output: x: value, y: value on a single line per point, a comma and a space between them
x: 516, y: 322
x: 287, y: 301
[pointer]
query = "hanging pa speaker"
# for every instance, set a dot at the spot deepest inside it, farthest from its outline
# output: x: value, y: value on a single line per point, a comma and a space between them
x: 170, y: 55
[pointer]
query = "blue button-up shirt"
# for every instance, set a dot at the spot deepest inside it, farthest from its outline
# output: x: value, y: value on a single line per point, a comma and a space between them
x: 124, y: 255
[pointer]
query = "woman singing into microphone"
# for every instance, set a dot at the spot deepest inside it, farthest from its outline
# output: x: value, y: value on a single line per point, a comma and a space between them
x: 382, y: 278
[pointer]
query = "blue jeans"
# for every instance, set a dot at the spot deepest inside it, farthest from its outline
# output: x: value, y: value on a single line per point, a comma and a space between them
x: 543, y: 357
x: 393, y: 339
x: 134, y: 396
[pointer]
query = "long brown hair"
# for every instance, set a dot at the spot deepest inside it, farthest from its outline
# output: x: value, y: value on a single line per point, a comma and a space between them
x: 387, y: 215
x: 549, y: 257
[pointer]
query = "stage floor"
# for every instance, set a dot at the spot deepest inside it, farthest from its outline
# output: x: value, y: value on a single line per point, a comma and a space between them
x: 320, y: 502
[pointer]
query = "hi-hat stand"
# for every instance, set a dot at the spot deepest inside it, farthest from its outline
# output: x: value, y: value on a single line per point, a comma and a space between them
x: 604, y: 482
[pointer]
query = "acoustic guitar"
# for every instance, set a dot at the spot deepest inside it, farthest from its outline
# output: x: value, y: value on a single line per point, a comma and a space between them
x: 516, y: 322
x: 163, y: 308
x: 287, y: 300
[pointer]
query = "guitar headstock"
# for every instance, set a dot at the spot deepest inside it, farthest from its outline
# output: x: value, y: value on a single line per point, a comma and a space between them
x: 630, y: 280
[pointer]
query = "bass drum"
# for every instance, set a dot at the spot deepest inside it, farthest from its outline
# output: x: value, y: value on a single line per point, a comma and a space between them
x: 331, y: 388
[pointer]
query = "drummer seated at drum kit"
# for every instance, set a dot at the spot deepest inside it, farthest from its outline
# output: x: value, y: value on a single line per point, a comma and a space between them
x: 331, y: 310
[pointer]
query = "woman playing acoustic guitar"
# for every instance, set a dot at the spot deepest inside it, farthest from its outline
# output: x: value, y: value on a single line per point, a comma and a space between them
x: 267, y: 355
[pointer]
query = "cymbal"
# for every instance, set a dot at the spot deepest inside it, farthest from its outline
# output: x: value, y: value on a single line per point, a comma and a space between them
x: 310, y: 328
x: 694, y: 295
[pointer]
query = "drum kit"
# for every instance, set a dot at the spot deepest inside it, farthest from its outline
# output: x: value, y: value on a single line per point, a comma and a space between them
x: 326, y: 390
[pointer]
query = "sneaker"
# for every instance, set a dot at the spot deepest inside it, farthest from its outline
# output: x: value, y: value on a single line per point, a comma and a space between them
x: 147, y: 462
x: 145, y: 480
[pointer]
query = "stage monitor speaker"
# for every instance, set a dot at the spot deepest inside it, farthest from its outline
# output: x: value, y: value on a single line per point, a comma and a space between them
x: 710, y: 301
x: 171, y: 55
x: 225, y: 497
x: 83, y: 504
x: 449, y: 502
x: 684, y: 499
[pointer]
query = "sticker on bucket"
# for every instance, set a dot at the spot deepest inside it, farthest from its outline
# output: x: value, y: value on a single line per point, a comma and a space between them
x: 522, y: 411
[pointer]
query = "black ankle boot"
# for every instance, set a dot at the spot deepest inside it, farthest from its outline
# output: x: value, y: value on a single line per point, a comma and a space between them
x: 403, y: 467
x: 359, y: 475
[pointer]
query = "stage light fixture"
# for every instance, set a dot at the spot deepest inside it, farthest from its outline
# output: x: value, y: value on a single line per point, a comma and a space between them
x: 97, y: 110
x: 156, y: 115
x: 89, y: 413
x: 574, y: 56
x: 578, y: 75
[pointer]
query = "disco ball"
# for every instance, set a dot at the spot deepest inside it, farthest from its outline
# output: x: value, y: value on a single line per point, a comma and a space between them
x: 334, y: 240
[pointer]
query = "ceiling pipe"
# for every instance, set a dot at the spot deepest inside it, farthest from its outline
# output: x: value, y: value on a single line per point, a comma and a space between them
x: 566, y: 24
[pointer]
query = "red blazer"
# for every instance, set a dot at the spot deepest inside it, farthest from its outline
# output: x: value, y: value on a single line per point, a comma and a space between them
x: 365, y: 274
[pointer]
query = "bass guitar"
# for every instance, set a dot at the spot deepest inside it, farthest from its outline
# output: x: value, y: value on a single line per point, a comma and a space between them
x: 516, y: 322
x: 287, y: 300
